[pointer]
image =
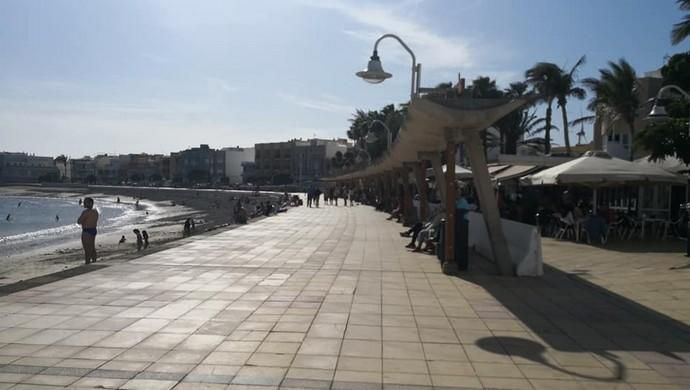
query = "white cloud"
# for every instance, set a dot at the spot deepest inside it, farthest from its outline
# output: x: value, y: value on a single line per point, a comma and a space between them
x: 221, y: 84
x: 327, y: 103
x: 434, y: 49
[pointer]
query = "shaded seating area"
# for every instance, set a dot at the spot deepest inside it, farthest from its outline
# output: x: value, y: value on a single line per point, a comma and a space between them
x: 597, y: 198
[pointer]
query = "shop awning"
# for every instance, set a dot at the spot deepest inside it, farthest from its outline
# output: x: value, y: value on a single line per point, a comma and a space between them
x: 495, y: 168
x: 515, y: 172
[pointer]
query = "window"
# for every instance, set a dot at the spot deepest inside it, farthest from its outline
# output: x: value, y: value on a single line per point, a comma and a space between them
x: 617, y: 138
x: 625, y: 139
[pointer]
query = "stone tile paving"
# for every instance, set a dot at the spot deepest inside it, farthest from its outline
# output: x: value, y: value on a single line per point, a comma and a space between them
x: 655, y: 274
x: 328, y: 299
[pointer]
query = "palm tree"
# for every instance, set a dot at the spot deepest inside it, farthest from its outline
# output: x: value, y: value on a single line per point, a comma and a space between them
x: 543, y: 77
x: 508, y: 125
x: 681, y: 30
x: 564, y: 87
x: 615, y: 95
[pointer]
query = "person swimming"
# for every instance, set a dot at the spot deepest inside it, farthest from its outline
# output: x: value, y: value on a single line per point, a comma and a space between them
x: 122, y: 240
x: 57, y: 218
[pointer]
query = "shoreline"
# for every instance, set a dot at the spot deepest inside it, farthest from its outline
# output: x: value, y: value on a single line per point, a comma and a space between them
x: 168, y: 211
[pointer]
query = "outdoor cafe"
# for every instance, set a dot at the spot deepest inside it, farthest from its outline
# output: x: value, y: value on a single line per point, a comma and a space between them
x: 596, y: 198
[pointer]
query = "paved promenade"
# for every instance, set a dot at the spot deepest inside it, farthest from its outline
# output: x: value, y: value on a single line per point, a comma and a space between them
x: 330, y: 298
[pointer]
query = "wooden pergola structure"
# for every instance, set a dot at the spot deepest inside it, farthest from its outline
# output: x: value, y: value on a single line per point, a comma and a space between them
x: 435, y: 126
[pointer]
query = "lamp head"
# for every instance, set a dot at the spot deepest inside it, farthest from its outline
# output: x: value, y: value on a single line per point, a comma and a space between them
x: 374, y: 72
x: 658, y: 113
x: 372, y: 138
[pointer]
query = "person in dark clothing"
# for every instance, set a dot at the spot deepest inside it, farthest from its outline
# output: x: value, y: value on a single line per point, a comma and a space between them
x: 145, y: 236
x: 317, y: 196
x: 140, y: 240
x: 414, y: 230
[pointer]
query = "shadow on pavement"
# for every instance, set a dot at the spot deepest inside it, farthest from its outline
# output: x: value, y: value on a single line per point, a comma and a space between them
x: 569, y: 314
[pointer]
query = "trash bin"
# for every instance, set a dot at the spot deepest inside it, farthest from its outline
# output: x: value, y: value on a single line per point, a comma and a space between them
x: 461, y: 240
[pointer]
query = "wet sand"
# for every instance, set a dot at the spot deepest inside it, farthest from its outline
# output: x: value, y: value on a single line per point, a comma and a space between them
x: 167, y: 210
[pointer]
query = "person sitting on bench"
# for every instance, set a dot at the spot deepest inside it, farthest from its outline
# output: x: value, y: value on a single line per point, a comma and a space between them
x: 419, y: 227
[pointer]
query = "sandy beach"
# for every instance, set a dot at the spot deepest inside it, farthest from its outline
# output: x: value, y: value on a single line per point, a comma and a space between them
x: 163, y: 212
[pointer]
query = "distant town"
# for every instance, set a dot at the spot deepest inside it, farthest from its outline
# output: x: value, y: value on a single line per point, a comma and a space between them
x: 295, y: 161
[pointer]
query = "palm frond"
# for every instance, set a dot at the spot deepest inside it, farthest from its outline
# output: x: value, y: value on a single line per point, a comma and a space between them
x: 582, y: 120
x: 580, y: 62
x: 681, y: 30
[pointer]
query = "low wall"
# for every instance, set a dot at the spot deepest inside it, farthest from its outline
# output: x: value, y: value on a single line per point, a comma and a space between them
x: 524, y: 243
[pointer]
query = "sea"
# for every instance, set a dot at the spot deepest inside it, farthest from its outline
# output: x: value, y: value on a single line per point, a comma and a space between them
x: 30, y: 223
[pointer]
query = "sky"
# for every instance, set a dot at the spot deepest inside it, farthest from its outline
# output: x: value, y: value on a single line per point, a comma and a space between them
x: 83, y: 77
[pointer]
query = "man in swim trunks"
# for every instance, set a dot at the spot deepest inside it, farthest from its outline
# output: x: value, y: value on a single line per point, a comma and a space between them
x: 88, y: 221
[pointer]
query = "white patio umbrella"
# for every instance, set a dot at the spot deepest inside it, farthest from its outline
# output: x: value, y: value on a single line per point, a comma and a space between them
x: 669, y: 163
x: 598, y: 169
x: 460, y: 172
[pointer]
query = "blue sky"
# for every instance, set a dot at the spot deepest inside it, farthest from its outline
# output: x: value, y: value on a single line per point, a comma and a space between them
x: 122, y: 76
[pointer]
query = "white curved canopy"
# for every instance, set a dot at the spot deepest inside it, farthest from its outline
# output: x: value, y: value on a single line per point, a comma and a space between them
x: 430, y: 124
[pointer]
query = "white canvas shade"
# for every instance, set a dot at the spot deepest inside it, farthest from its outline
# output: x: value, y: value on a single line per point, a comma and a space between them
x: 669, y: 163
x: 460, y: 172
x: 598, y: 169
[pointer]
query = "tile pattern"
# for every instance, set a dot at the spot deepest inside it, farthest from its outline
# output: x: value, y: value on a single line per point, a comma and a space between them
x: 328, y: 298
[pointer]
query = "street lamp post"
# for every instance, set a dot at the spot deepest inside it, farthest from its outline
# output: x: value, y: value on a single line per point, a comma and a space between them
x: 375, y: 74
x: 658, y: 112
x: 371, y: 137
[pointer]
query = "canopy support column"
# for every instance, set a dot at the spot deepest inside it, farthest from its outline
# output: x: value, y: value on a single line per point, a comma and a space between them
x: 422, y: 189
x: 487, y: 201
x: 380, y: 191
x: 408, y: 217
x: 450, y: 267
x: 388, y: 191
x: 438, y: 174
x: 395, y: 189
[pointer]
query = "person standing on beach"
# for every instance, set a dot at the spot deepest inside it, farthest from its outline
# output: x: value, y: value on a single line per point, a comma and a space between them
x: 140, y: 239
x: 145, y: 236
x: 88, y: 221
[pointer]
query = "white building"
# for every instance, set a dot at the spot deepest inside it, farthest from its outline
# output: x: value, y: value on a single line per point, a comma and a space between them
x: 234, y: 158
x: 26, y: 168
x: 616, y: 139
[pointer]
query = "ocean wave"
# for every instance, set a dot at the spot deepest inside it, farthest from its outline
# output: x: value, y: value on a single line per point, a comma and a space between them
x: 113, y: 216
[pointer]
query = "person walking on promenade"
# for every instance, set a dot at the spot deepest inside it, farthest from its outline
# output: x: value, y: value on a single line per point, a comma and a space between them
x: 145, y: 236
x: 88, y: 221
x: 317, y: 196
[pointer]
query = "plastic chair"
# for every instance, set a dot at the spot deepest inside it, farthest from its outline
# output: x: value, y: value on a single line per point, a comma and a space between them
x: 567, y: 229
